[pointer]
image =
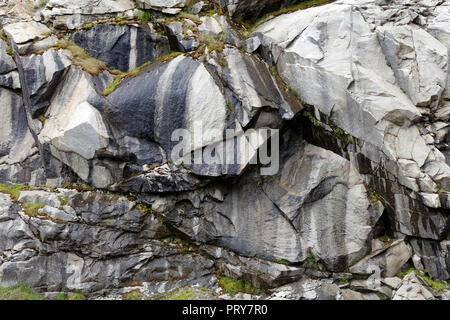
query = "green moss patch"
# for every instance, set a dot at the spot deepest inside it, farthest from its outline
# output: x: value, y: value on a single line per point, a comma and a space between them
x: 133, y: 295
x: 32, y: 209
x: 81, y: 58
x: 13, y: 191
x: 232, y: 287
x: 135, y: 72
x: 20, y: 292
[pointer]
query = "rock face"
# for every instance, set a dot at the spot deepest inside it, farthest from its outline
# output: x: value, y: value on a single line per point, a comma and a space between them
x: 107, y: 232
x: 363, y: 89
x: 153, y: 145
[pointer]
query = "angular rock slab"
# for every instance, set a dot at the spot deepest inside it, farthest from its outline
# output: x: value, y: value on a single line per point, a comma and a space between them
x: 434, y: 256
x: 252, y: 86
x: 23, y: 32
x: 166, y: 6
x: 75, y: 131
x: 385, y: 262
x: 72, y: 14
x: 419, y: 61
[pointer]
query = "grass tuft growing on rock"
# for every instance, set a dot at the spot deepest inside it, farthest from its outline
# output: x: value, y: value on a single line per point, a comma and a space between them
x: 180, y: 294
x: 133, y: 295
x: 13, y: 191
x: 32, y: 209
x: 134, y: 73
x: 213, y: 43
x: 145, y: 16
x: 81, y: 58
x: 20, y: 292
x: 436, y: 285
x: 232, y: 287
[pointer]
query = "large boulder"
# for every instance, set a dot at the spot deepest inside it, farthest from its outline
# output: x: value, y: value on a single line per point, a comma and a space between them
x: 385, y: 262
x: 30, y: 36
x: 75, y: 131
x: 305, y: 209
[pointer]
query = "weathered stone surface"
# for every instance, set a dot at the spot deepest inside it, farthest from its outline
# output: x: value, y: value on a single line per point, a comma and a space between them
x: 307, y: 289
x: 260, y: 273
x: 210, y: 27
x: 419, y: 62
x: 30, y: 36
x: 72, y: 14
x: 166, y: 6
x: 352, y: 295
x: 167, y: 97
x: 75, y: 130
x: 372, y: 76
x: 252, y: 87
x: 94, y: 250
x: 305, y: 193
x: 7, y: 63
x: 23, y: 32
x: 9, y: 77
x: 164, y: 178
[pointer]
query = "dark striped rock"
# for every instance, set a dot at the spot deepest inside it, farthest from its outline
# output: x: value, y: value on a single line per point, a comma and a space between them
x: 9, y: 77
x: 179, y: 94
x: 7, y: 63
x: 434, y: 257
x: 122, y: 47
x: 43, y: 74
x: 89, y: 242
x: 252, y: 88
x: 19, y: 161
x: 253, y: 9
